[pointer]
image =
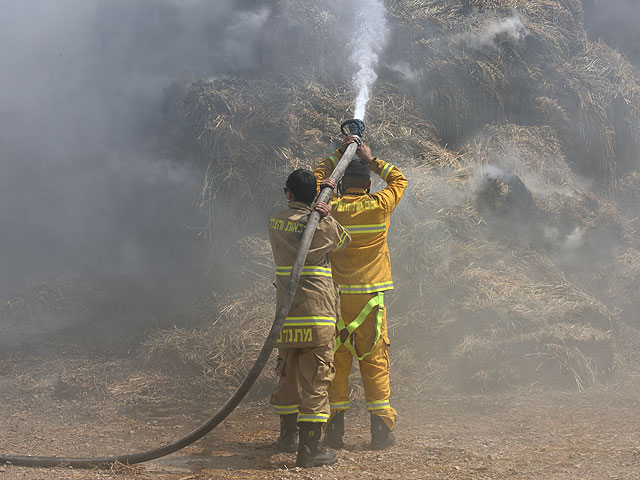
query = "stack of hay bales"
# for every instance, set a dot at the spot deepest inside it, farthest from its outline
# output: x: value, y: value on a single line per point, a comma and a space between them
x: 512, y: 85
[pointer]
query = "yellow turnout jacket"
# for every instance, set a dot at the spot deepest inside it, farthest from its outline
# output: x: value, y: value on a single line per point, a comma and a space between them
x: 364, y: 266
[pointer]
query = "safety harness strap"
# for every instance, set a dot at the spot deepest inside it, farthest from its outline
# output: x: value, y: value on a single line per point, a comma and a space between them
x: 346, y: 331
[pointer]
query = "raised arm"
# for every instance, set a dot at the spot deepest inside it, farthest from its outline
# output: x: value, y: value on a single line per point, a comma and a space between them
x: 325, y: 168
x: 396, y: 183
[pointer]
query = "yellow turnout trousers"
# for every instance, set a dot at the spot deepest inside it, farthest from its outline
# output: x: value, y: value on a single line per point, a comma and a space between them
x: 374, y: 366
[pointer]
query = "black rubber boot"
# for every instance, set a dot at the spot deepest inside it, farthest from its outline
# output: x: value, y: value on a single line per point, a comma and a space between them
x: 310, y: 453
x: 288, y: 433
x: 335, y: 431
x: 381, y: 436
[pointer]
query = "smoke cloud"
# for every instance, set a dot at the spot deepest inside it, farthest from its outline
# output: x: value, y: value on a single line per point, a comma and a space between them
x: 88, y: 180
x: 615, y: 22
x: 404, y: 69
x: 510, y: 30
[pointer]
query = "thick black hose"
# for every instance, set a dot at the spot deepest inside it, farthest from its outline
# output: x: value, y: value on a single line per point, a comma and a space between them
x: 245, y: 386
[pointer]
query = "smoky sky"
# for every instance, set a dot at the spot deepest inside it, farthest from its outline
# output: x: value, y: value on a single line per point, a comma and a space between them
x: 616, y: 23
x: 87, y: 178
x: 88, y: 175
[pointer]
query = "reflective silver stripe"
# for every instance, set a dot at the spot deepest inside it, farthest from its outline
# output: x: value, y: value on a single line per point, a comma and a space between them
x: 385, y: 171
x: 374, y: 228
x: 371, y: 288
x: 308, y: 321
x: 340, y: 405
x: 285, y: 409
x: 307, y: 270
x: 313, y: 417
x: 343, y: 237
x: 378, y: 405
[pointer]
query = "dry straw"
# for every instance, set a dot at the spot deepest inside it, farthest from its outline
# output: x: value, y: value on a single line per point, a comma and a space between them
x: 540, y: 298
x: 480, y: 303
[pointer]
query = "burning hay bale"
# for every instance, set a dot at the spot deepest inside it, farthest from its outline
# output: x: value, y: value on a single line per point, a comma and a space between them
x: 517, y: 61
x: 503, y: 86
x: 501, y: 197
x: 533, y: 153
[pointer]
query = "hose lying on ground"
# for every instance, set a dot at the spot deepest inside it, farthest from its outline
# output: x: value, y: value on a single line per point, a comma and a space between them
x: 245, y: 386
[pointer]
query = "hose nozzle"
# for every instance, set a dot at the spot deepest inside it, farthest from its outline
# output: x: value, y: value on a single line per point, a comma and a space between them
x: 355, y: 125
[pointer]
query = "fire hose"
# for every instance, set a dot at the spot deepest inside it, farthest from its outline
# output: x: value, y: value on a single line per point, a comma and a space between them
x: 356, y: 127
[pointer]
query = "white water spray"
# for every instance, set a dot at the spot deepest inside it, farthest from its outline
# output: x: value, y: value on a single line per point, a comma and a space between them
x: 369, y: 39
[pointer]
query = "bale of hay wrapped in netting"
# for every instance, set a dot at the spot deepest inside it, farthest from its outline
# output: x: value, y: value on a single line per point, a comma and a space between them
x: 222, y: 351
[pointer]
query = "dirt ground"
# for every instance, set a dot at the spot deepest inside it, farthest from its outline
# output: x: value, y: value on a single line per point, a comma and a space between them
x: 526, y: 434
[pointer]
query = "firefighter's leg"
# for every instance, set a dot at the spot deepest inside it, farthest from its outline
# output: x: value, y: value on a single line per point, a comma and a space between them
x: 343, y: 360
x: 316, y: 373
x: 286, y: 398
x: 339, y: 389
x: 374, y: 367
x: 339, y: 398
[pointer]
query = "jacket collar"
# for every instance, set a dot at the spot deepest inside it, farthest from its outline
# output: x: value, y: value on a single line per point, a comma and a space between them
x: 355, y: 191
x: 299, y: 206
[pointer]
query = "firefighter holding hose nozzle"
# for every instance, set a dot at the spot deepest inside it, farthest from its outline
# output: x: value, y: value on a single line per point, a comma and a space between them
x: 306, y: 344
x: 363, y: 272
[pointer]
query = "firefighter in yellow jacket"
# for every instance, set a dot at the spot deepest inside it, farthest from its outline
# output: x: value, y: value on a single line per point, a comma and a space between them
x: 305, y: 347
x: 363, y: 272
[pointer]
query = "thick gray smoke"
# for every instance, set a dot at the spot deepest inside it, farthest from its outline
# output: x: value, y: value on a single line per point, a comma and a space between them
x: 615, y: 22
x: 495, y: 32
x: 87, y: 177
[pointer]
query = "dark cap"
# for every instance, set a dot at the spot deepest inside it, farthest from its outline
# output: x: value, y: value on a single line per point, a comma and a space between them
x: 358, y: 169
